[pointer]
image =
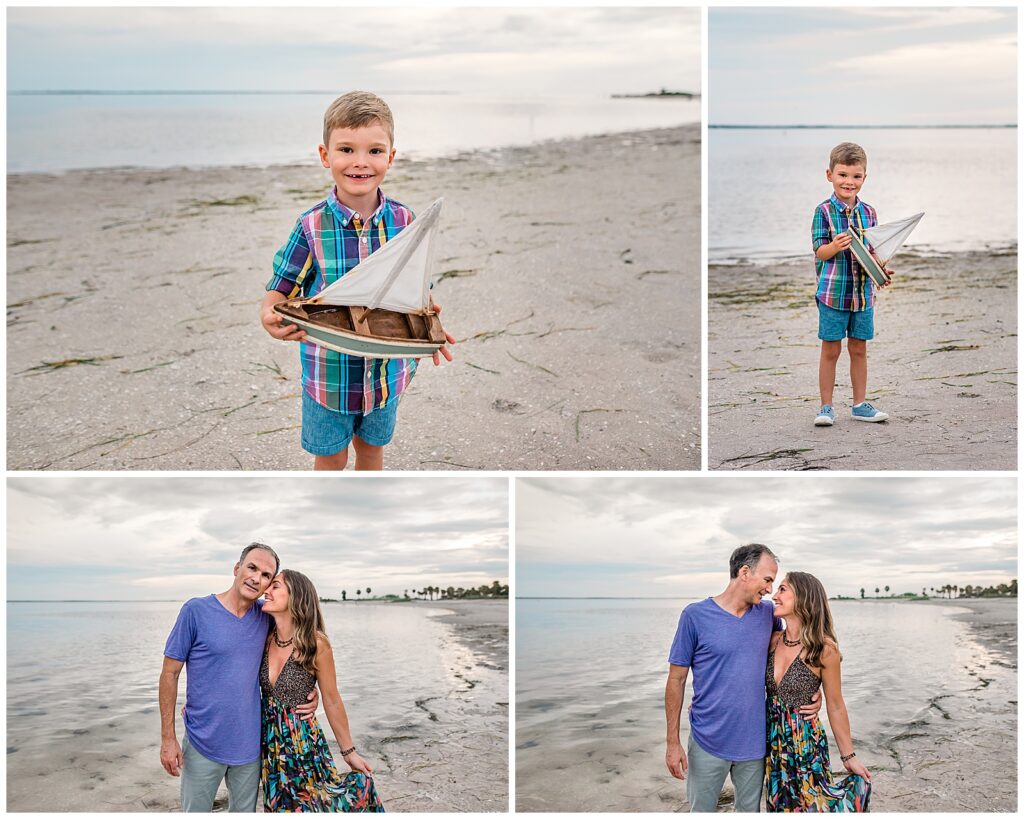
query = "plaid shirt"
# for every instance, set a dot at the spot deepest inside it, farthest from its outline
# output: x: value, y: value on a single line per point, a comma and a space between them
x: 328, y: 240
x: 842, y: 284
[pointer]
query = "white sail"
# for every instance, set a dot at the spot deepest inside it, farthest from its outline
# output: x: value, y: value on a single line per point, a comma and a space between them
x: 885, y: 240
x: 396, y: 277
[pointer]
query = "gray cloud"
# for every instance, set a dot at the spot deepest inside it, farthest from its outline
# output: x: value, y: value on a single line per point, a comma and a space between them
x: 392, y: 532
x: 851, y: 531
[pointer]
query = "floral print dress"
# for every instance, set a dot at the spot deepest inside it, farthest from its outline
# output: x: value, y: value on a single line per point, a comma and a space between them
x: 798, y: 775
x: 298, y: 773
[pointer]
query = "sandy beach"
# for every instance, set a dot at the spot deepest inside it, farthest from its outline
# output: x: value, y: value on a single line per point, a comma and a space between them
x: 948, y: 757
x: 569, y: 272
x: 444, y: 750
x: 938, y: 735
x: 943, y: 365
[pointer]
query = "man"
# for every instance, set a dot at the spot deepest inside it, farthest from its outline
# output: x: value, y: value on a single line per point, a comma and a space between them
x: 724, y: 639
x: 221, y: 637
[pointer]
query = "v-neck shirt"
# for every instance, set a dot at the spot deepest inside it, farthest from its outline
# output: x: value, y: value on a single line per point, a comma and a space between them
x: 726, y: 657
x: 222, y: 654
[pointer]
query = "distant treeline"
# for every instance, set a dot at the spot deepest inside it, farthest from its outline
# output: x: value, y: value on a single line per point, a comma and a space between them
x: 495, y: 590
x: 949, y: 591
x: 664, y: 92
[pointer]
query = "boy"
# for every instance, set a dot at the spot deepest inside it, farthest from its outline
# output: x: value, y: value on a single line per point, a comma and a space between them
x: 845, y: 294
x: 345, y: 399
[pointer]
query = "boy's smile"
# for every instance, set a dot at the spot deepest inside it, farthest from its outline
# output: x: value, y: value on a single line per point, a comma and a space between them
x: 847, y: 180
x: 359, y: 159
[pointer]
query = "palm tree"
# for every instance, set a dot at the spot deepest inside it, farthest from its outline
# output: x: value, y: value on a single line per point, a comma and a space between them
x: 368, y: 590
x: 359, y: 592
x: 886, y: 589
x: 343, y: 595
x: 876, y: 591
x: 862, y: 594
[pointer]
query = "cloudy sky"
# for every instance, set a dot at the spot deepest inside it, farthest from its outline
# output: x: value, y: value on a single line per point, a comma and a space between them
x: 161, y: 538
x: 671, y: 537
x: 507, y: 52
x: 846, y: 66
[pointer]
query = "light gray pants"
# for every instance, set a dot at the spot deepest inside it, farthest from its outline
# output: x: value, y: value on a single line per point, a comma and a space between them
x: 200, y: 778
x: 706, y: 775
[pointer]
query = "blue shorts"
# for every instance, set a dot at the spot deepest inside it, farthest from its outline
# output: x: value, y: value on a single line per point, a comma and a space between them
x: 835, y: 325
x: 327, y: 432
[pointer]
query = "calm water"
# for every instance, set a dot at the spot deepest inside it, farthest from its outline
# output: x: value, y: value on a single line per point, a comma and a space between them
x: 90, y: 670
x: 764, y: 185
x: 590, y: 681
x: 162, y: 131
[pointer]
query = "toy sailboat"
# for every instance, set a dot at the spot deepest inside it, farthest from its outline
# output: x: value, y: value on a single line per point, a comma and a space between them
x: 381, y: 308
x: 879, y: 244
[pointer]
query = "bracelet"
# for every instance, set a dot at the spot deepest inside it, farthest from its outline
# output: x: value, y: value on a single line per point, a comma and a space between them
x: 352, y: 750
x: 848, y: 757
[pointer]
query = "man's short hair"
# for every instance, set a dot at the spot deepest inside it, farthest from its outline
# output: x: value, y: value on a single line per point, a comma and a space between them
x: 847, y: 153
x: 265, y: 548
x: 358, y: 109
x: 749, y: 556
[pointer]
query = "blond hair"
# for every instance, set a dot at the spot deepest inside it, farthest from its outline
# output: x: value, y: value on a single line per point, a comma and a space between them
x: 810, y: 604
x: 304, y: 607
x: 358, y: 109
x: 847, y: 153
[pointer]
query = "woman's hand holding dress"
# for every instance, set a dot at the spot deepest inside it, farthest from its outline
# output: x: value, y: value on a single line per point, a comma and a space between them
x: 358, y: 764
x: 855, y: 766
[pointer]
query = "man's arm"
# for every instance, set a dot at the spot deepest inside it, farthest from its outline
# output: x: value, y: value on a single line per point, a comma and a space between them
x: 675, y: 689
x: 170, y: 750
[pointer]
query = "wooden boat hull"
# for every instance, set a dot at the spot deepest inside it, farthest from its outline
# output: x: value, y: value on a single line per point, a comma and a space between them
x: 862, y: 254
x: 365, y: 333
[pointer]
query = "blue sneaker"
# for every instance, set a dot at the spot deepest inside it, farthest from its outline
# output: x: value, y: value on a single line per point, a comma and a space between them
x: 865, y: 412
x: 826, y: 417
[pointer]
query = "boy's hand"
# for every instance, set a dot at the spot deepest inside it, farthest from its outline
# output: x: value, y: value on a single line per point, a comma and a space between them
x: 842, y: 241
x: 443, y: 350
x: 274, y: 324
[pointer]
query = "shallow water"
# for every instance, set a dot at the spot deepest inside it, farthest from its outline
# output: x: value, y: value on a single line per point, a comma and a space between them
x: 187, y: 130
x: 87, y: 673
x: 765, y: 183
x: 590, y: 679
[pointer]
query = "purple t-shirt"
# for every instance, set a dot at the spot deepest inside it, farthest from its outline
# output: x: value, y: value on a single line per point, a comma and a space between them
x: 222, y: 654
x: 726, y: 656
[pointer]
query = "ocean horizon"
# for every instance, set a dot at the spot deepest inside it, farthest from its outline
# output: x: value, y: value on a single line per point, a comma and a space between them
x: 219, y: 128
x: 764, y: 184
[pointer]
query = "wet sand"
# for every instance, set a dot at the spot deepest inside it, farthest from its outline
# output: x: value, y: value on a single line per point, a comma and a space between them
x: 959, y: 753
x: 569, y: 272
x: 956, y: 753
x: 457, y: 766
x: 943, y: 365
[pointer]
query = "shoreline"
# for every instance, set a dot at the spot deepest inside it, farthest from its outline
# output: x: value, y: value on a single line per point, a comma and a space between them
x: 949, y: 747
x: 446, y: 749
x: 952, y: 732
x: 154, y: 358
x: 409, y: 159
x: 943, y: 365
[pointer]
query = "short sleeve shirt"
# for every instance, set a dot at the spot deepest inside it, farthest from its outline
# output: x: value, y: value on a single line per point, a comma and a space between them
x: 222, y: 655
x: 726, y: 656
x: 327, y: 242
x: 842, y: 282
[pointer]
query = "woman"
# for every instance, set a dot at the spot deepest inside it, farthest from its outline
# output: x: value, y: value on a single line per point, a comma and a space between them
x: 298, y: 771
x: 800, y: 659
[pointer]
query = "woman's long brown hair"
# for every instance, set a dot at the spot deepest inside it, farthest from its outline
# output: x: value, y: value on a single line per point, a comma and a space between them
x: 304, y: 607
x: 810, y: 603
